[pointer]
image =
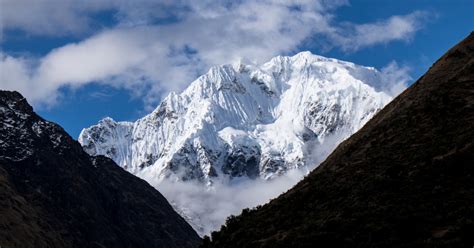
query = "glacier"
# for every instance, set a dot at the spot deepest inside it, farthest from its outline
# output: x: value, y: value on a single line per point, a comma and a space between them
x: 242, y: 124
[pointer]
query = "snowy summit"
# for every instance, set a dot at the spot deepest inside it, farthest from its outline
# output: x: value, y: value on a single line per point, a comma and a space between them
x: 245, y: 120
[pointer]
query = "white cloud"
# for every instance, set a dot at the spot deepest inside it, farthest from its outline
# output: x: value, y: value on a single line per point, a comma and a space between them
x: 137, y: 54
x: 401, y: 28
x: 115, y: 57
x: 206, y: 209
x: 396, y: 78
x: 14, y: 73
x: 76, y: 17
x: 48, y: 17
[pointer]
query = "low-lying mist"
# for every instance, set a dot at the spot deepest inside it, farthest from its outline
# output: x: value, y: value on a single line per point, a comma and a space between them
x: 207, y: 207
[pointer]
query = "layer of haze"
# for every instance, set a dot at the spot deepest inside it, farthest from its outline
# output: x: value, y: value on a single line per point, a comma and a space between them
x: 207, y: 208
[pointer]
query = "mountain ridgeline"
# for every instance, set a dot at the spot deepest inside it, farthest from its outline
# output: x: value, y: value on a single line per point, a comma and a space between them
x: 406, y: 179
x: 53, y: 194
x: 245, y: 120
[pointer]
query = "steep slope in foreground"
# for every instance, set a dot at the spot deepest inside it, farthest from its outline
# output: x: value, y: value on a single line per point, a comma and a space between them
x: 406, y: 179
x: 55, y: 195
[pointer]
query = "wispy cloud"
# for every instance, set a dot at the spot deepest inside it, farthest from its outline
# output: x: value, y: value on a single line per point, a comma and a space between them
x: 396, y: 78
x: 100, y: 95
x: 206, y: 209
x: 162, y: 46
x: 76, y: 17
x: 395, y: 28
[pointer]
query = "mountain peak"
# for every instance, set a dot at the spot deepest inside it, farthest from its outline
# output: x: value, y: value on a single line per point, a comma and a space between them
x: 107, y: 121
x: 15, y: 101
x: 307, y: 55
x: 260, y: 96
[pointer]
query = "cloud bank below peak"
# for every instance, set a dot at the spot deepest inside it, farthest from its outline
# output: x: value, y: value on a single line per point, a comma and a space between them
x: 139, y: 52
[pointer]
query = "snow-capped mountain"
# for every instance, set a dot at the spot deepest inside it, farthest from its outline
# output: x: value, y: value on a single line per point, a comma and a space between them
x: 244, y: 120
x: 240, y: 122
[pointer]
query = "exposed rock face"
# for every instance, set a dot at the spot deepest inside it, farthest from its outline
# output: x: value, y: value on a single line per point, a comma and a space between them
x: 53, y: 194
x: 406, y: 179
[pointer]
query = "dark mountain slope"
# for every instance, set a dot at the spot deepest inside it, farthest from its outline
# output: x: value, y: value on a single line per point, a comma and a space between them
x: 52, y: 194
x: 406, y: 179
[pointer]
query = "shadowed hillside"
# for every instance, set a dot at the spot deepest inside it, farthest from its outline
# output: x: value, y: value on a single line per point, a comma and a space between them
x: 406, y: 179
x: 53, y: 194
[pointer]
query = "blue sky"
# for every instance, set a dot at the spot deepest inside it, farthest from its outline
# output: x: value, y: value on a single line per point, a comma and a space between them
x: 79, y: 61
